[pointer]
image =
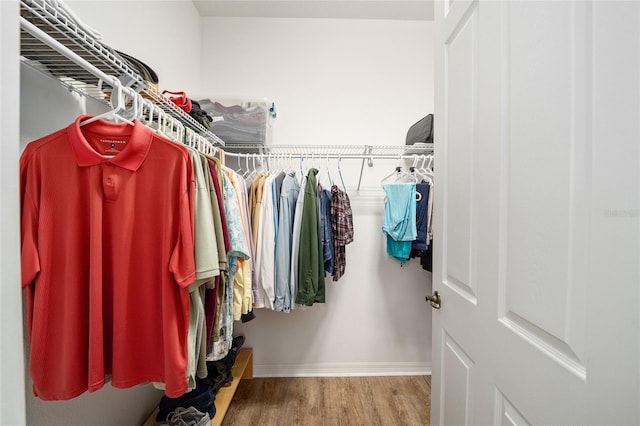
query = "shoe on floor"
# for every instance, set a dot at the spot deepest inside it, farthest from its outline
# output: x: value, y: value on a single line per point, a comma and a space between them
x: 186, y: 417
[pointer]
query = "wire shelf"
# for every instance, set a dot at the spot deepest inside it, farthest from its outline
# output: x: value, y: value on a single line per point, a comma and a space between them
x: 64, y: 29
x: 334, y: 151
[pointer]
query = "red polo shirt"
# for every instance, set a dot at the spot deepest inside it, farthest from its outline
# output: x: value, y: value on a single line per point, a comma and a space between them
x: 107, y: 256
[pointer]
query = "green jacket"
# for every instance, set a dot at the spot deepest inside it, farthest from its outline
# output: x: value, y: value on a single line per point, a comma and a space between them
x: 310, y: 262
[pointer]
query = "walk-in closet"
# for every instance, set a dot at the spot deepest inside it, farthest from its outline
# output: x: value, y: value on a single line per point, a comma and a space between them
x: 344, y: 92
x: 319, y: 212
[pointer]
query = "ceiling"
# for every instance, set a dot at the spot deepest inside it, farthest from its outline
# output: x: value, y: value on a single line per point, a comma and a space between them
x: 414, y: 10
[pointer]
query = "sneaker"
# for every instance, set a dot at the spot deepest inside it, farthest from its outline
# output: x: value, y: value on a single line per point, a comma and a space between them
x: 186, y: 417
x: 202, y: 398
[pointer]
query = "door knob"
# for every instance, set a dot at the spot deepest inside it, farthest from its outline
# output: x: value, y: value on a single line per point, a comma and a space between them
x: 434, y: 300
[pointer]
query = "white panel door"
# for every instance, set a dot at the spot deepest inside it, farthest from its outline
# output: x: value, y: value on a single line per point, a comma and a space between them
x: 537, y: 220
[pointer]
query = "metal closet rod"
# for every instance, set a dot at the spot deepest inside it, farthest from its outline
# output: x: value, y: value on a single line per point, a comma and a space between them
x: 366, y: 155
x: 335, y: 149
x: 322, y: 156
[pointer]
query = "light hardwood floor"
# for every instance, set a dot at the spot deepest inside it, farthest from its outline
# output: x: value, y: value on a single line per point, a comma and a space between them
x: 331, y: 401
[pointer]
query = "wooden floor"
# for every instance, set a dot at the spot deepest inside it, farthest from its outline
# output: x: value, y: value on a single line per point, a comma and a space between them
x: 331, y: 401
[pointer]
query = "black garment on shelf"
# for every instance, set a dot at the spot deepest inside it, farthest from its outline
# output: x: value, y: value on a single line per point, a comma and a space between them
x: 426, y: 257
x: 202, y: 398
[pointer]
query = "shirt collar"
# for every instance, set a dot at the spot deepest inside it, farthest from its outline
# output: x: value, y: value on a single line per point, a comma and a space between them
x: 132, y: 155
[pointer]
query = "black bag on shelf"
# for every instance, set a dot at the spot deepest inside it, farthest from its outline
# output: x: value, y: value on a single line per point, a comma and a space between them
x: 421, y: 132
x: 200, y: 115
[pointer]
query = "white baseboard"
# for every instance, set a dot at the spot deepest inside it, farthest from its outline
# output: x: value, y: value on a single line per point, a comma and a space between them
x: 343, y: 369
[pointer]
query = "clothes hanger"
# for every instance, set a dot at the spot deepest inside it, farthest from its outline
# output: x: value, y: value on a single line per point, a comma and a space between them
x: 116, y: 109
x: 416, y: 172
x: 161, y: 121
x: 247, y: 170
x: 287, y: 163
x: 146, y: 112
x: 182, y: 131
x: 325, y: 174
x: 427, y: 172
x: 301, y: 169
x: 135, y: 112
x: 252, y: 170
x: 189, y: 139
x: 397, y: 173
x: 154, y: 117
x: 200, y: 142
x: 240, y: 171
x: 340, y: 174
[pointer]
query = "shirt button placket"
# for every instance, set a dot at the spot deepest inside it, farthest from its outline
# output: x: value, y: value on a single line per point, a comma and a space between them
x: 108, y: 182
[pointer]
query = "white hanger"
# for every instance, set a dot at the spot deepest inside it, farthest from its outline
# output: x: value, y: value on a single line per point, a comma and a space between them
x: 340, y: 174
x: 247, y: 170
x: 253, y: 170
x: 146, y: 112
x: 136, y: 104
x: 427, y: 172
x: 301, y: 169
x: 161, y: 120
x: 117, y: 109
x: 325, y: 172
x: 399, y: 174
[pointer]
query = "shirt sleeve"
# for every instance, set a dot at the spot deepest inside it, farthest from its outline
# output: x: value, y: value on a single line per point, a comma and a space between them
x: 30, y: 258
x: 182, y: 262
x: 29, y: 222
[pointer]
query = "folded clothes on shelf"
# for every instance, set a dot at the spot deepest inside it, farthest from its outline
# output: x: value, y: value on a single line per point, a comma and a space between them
x: 240, y: 121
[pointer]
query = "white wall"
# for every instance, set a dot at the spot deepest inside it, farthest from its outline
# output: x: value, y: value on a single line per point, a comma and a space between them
x: 12, y: 400
x: 163, y: 34
x: 46, y: 107
x: 337, y: 82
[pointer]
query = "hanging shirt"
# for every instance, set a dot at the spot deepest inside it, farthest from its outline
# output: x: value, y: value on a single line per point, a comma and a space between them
x: 239, y: 246
x: 210, y: 298
x: 248, y: 266
x: 277, y: 185
x: 218, y: 188
x: 400, y: 219
x: 207, y: 267
x: 422, y: 217
x: 242, y: 277
x: 430, y: 228
x: 266, y: 245
x: 256, y: 206
x: 217, y: 214
x: 310, y: 262
x: 421, y: 247
x: 258, y: 291
x: 342, y: 229
x: 325, y: 229
x: 295, y: 243
x: 239, y: 249
x: 288, y: 198
x: 107, y: 258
